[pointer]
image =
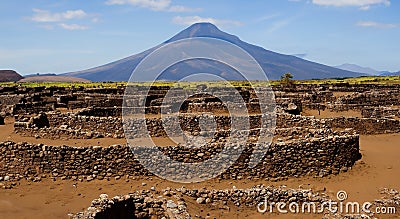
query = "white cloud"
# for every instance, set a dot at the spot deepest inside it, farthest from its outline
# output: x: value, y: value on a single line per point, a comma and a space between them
x: 72, y: 26
x: 50, y: 20
x: 155, y: 5
x: 376, y: 24
x: 267, y: 17
x: 47, y: 16
x: 362, y: 4
x: 365, y: 8
x: 180, y: 8
x: 188, y: 20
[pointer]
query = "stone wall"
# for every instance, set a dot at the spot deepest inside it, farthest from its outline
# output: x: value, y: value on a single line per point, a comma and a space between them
x: 370, y: 98
x: 318, y: 156
x: 311, y: 96
x: 75, y: 125
x: 173, y: 202
x: 7, y: 103
x: 379, y: 112
x: 70, y: 125
x: 367, y: 126
x: 360, y: 125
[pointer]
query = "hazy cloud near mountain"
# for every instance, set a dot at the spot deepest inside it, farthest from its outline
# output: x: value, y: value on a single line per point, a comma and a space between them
x: 189, y: 20
x: 363, y: 4
x: 154, y: 5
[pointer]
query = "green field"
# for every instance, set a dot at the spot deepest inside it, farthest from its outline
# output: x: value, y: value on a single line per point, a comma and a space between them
x: 192, y: 85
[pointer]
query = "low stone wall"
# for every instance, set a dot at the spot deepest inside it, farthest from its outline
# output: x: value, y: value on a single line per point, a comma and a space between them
x: 360, y: 125
x: 80, y: 126
x: 380, y: 112
x: 173, y: 202
x: 301, y: 157
x: 70, y: 125
x: 371, y: 98
x: 144, y: 205
x: 366, y: 126
x: 74, y: 125
x: 7, y: 103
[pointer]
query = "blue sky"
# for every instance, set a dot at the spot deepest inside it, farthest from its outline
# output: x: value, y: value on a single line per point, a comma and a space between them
x: 62, y: 36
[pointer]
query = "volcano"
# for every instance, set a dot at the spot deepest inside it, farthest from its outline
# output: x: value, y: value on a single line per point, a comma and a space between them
x: 274, y: 64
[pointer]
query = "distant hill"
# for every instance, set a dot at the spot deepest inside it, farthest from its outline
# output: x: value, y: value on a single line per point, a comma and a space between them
x: 38, y: 74
x: 274, y: 64
x: 9, y: 76
x: 386, y: 73
x: 357, y: 68
x: 55, y: 78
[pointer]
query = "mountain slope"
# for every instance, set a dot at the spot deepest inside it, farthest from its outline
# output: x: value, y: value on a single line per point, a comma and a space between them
x: 357, y: 68
x: 386, y: 73
x: 9, y: 76
x: 274, y: 64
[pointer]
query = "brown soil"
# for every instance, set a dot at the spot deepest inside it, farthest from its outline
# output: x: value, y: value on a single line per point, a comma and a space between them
x: 331, y: 114
x: 341, y: 94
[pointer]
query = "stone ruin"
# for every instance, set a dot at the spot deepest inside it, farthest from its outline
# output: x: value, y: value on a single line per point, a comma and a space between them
x: 302, y: 146
x: 173, y: 203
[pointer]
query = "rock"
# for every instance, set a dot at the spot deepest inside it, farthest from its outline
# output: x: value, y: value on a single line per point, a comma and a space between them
x: 7, y: 178
x: 201, y: 200
x: 103, y: 196
x: 171, y: 204
x: 142, y: 215
x: 89, y: 135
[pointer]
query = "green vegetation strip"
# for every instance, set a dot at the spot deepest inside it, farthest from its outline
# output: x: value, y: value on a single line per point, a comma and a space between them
x: 192, y: 85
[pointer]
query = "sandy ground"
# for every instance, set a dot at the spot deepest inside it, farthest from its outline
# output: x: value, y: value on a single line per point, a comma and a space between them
x: 330, y: 114
x: 379, y: 168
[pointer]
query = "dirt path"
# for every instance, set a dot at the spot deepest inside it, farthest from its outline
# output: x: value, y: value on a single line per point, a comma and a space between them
x: 329, y: 114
